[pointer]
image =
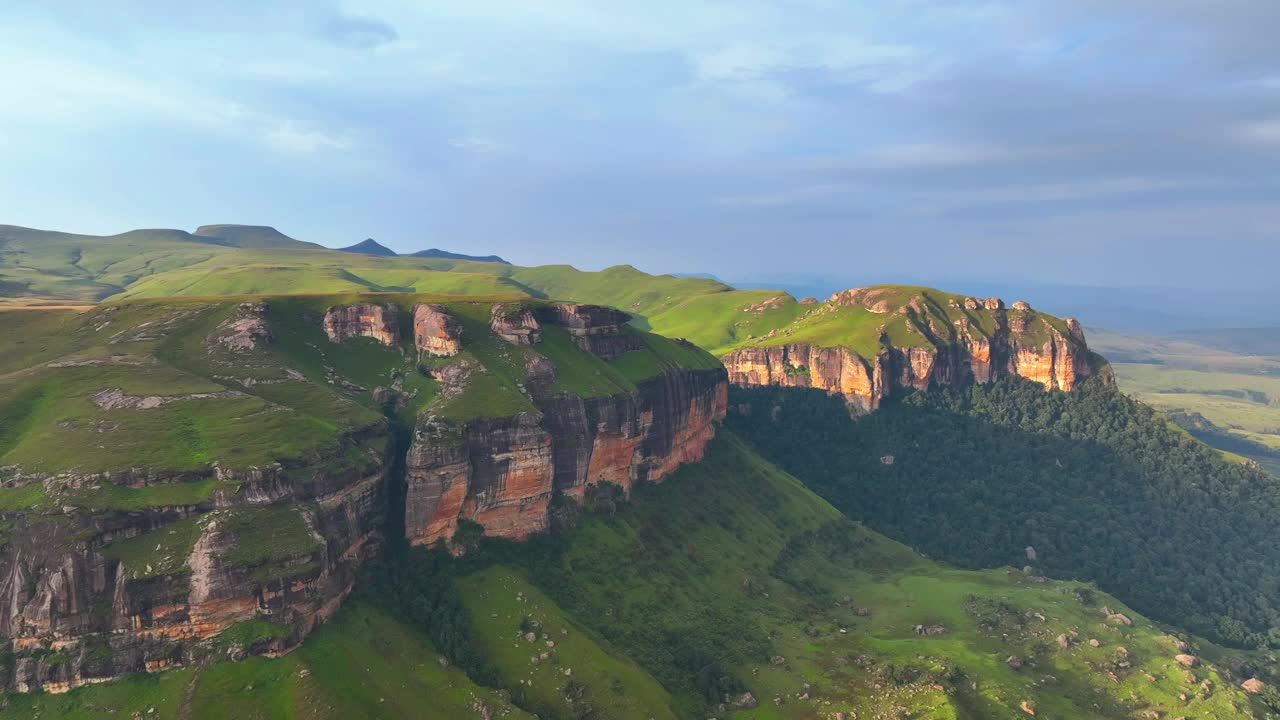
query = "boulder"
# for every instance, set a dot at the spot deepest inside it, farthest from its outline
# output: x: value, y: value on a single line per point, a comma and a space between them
x: 1253, y: 686
x: 1189, y: 661
x: 1120, y: 619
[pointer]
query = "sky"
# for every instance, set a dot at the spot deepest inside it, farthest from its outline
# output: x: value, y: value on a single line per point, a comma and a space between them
x: 1047, y: 141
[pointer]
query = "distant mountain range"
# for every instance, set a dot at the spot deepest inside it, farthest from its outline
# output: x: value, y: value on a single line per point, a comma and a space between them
x: 369, y: 246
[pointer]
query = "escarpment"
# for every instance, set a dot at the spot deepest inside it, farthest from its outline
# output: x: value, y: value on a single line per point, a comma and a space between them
x: 920, y: 338
x: 253, y: 483
x: 504, y: 472
x: 88, y: 594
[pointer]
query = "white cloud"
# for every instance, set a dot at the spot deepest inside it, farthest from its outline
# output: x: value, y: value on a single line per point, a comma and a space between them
x: 288, y: 137
x: 1261, y: 132
x: 475, y: 144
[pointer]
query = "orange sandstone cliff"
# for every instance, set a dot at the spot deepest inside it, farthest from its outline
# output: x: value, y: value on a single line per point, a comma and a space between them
x: 914, y: 338
x: 503, y: 472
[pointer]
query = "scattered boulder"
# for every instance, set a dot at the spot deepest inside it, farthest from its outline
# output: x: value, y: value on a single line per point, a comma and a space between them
x: 1028, y: 707
x: 1021, y: 305
x: 1188, y: 661
x: 1014, y: 662
x: 929, y: 630
x: 1253, y: 686
x: 886, y: 459
x: 515, y: 324
x: 1064, y: 641
x: 745, y: 701
x: 1093, y: 642
x: 971, y: 303
x: 1120, y: 619
x: 994, y: 303
x: 863, y: 612
x: 435, y: 331
x: 1031, y: 553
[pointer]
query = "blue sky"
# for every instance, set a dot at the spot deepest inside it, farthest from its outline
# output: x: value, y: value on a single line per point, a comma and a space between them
x: 1069, y: 141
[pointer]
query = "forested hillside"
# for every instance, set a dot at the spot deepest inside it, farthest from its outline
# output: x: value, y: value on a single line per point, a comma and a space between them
x: 1100, y: 486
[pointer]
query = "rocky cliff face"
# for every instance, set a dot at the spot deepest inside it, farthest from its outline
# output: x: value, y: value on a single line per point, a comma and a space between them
x: 503, y: 472
x: 939, y: 341
x: 87, y: 596
x: 380, y: 322
x: 435, y: 332
x: 111, y: 571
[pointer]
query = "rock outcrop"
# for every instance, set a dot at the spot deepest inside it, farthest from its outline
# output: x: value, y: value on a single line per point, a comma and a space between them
x: 244, y: 331
x: 973, y: 341
x: 435, y: 331
x: 124, y: 570
x: 380, y: 322
x: 515, y: 323
x: 595, y: 328
x: 87, y: 596
x: 503, y: 472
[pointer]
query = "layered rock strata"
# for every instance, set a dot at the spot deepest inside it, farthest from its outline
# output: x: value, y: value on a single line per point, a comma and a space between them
x: 515, y: 324
x: 435, y: 331
x: 595, y: 328
x: 78, y: 611
x: 1016, y: 342
x: 380, y: 322
x: 503, y: 472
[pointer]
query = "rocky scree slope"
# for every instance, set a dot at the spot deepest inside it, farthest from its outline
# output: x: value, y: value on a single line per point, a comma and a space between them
x: 182, y: 481
x: 866, y: 342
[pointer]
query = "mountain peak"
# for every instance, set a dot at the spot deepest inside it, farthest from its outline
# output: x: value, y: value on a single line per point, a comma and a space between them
x: 369, y: 246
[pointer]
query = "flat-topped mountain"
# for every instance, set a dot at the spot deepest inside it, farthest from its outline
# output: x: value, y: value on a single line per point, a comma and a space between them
x: 251, y: 236
x: 864, y: 342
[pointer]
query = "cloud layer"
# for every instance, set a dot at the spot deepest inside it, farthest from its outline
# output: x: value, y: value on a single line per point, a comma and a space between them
x: 1058, y: 141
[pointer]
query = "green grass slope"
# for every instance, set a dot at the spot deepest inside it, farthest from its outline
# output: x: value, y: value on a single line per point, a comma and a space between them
x: 728, y: 578
x: 363, y: 665
x: 250, y: 236
x: 731, y: 577
x: 862, y: 319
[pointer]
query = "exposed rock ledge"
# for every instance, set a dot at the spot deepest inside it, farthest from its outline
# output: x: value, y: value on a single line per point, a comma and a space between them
x: 1020, y: 345
x: 503, y: 472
